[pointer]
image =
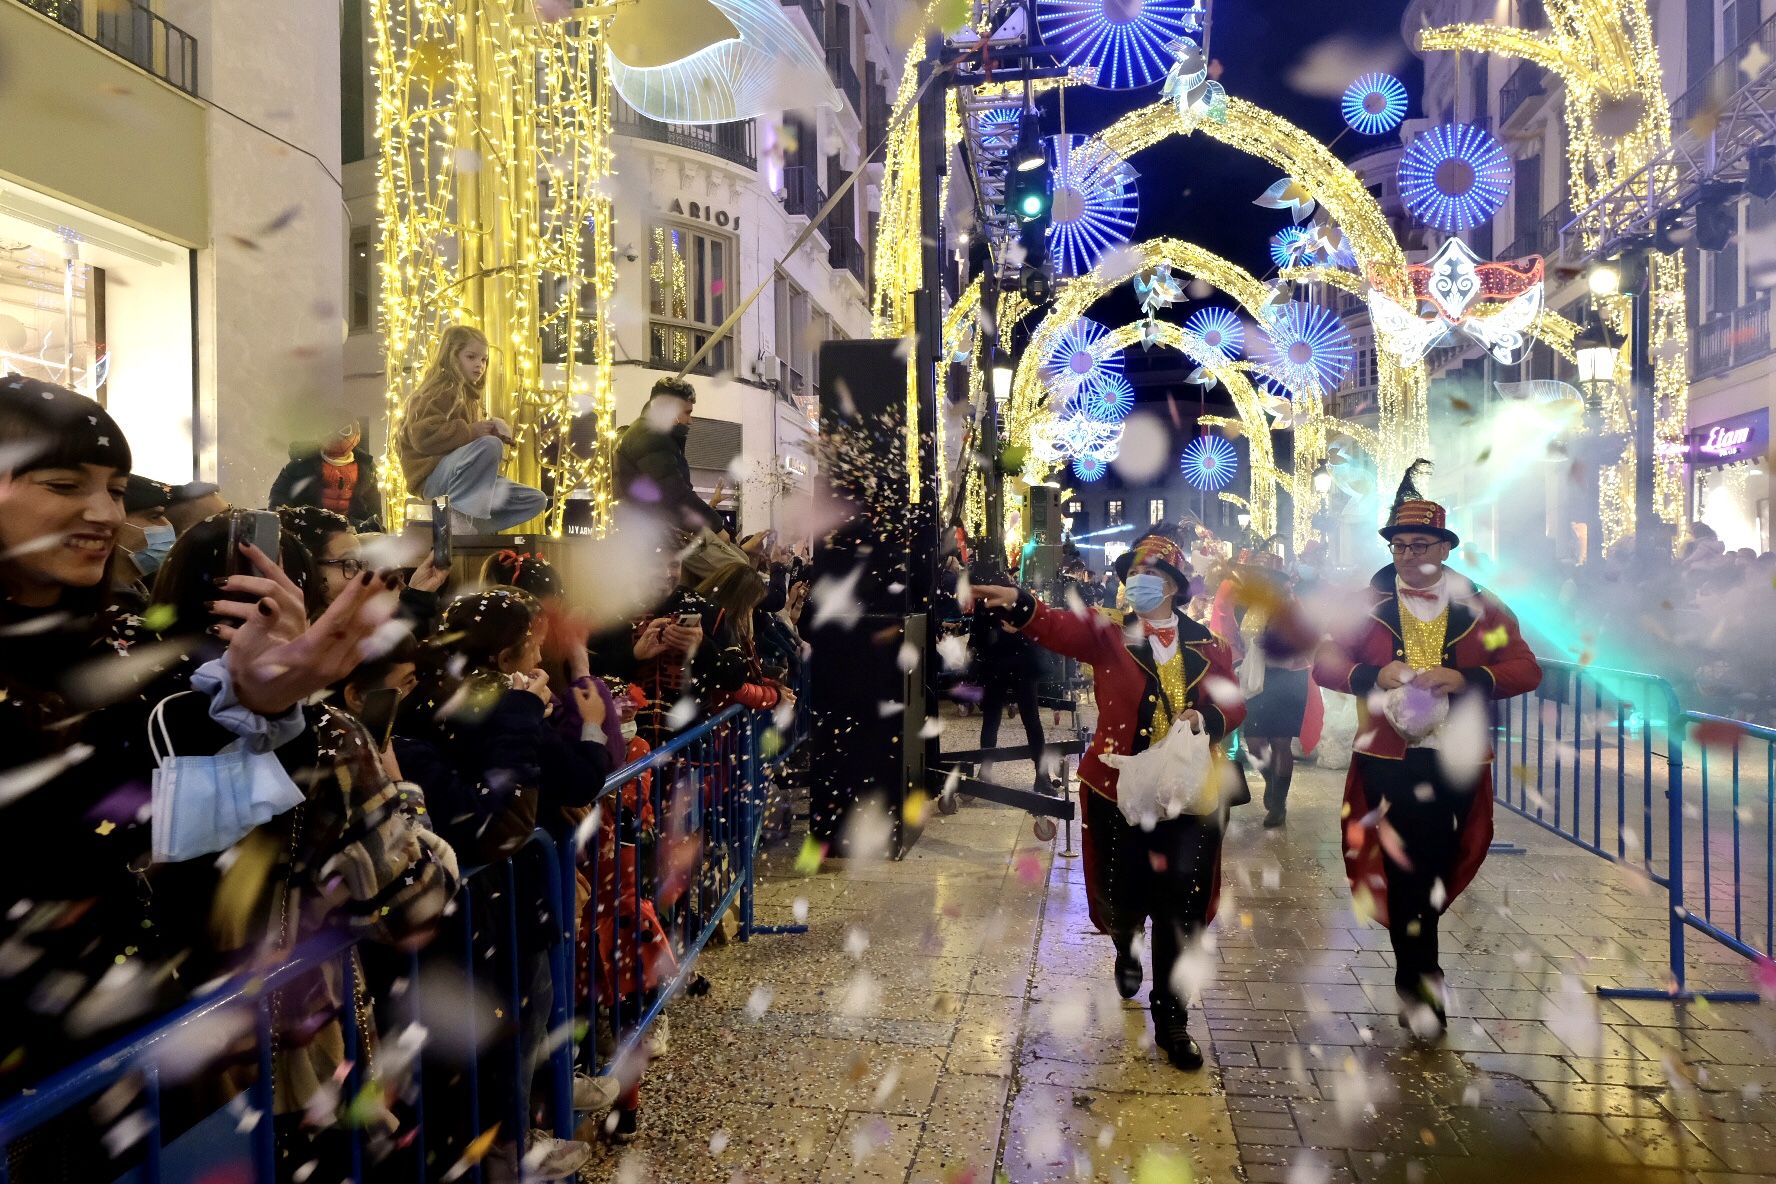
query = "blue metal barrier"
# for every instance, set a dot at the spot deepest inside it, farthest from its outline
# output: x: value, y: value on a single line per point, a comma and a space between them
x: 1597, y: 756
x: 1750, y: 889
x: 707, y: 787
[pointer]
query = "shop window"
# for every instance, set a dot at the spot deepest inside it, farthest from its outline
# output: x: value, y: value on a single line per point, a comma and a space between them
x: 360, y: 268
x: 42, y: 295
x: 690, y: 276
x: 1156, y: 511
x: 1075, y: 506
x: 1113, y: 512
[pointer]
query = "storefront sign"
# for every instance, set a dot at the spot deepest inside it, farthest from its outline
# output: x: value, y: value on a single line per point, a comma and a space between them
x: 698, y: 212
x: 1741, y: 437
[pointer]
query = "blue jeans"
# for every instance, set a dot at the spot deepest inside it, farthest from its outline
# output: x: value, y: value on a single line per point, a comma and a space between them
x: 470, y: 478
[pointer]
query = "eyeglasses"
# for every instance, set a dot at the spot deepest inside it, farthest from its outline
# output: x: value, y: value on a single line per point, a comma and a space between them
x: 347, y: 567
x: 1413, y: 549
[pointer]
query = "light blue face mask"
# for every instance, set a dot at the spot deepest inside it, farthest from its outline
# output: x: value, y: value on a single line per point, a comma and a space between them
x: 206, y: 804
x: 1146, y: 591
x: 160, y: 545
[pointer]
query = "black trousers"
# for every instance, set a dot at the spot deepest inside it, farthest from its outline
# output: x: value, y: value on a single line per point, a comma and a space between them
x: 1425, y: 812
x: 993, y: 699
x: 1166, y: 873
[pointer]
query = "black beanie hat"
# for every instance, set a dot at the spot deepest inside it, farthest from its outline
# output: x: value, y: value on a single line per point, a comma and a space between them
x: 45, y: 426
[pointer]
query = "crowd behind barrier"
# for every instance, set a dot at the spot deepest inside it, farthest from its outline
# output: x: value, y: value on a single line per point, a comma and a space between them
x: 665, y: 865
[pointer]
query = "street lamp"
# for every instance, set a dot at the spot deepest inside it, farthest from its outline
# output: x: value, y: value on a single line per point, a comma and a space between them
x: 1244, y: 519
x: 1596, y: 355
x: 1604, y: 279
x: 1002, y: 376
x: 1322, y: 479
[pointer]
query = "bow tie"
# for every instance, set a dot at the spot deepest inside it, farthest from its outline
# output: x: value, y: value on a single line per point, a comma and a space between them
x: 1420, y: 593
x: 1166, y: 636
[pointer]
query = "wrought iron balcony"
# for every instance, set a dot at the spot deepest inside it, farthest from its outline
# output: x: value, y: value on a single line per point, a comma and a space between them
x: 735, y: 142
x: 1733, y: 339
x: 815, y: 11
x: 132, y: 31
x: 1528, y: 81
x: 838, y: 65
x: 802, y: 192
x: 844, y: 252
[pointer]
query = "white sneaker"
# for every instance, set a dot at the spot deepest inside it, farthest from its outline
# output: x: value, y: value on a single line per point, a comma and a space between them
x: 595, y: 1094
x: 550, y: 1158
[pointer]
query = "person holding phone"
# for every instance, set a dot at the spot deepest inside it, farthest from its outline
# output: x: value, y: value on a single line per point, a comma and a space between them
x: 449, y: 448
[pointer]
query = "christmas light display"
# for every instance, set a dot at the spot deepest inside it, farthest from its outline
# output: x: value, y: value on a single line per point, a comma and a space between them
x: 1094, y: 203
x: 1292, y: 246
x: 1605, y: 54
x: 1219, y: 329
x: 1209, y: 463
x: 493, y: 141
x: 1126, y: 41
x: 1455, y: 283
x: 1110, y: 398
x: 1089, y: 468
x: 1070, y: 363
x: 1375, y: 104
x: 1309, y: 348
x: 1454, y: 177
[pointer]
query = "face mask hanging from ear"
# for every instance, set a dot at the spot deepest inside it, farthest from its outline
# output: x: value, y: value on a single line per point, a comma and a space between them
x: 160, y: 545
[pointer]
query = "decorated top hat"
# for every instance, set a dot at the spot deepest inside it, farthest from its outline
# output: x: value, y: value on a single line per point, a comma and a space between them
x: 1416, y: 513
x: 1159, y: 548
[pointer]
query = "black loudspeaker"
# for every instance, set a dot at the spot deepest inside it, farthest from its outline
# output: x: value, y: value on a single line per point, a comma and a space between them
x: 1760, y: 172
x: 1716, y: 218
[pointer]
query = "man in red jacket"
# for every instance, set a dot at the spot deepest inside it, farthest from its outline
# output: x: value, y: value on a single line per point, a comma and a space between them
x: 1155, y: 670
x: 1417, y: 815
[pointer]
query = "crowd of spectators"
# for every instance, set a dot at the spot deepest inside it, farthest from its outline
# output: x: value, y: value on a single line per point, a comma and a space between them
x: 218, y: 756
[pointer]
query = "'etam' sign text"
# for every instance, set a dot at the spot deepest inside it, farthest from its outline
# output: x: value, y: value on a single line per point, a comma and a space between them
x: 1742, y: 437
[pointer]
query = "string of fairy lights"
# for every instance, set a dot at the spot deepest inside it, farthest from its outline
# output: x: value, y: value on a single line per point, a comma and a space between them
x: 494, y: 156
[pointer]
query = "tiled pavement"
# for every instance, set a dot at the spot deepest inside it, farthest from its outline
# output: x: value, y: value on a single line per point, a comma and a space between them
x: 950, y: 1016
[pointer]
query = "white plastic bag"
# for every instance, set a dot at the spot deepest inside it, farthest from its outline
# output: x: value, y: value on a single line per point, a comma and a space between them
x: 1173, y: 777
x: 1338, y: 731
x: 1414, y: 712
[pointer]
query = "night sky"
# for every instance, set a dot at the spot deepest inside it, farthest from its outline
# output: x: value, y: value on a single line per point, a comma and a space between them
x: 1197, y: 189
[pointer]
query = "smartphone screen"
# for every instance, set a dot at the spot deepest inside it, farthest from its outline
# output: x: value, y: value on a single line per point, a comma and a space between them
x: 258, y: 527
x: 441, y: 533
x: 378, y: 715
x: 689, y: 620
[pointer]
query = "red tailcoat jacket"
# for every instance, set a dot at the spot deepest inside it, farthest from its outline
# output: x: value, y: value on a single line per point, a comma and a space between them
x: 1126, y: 683
x: 1485, y: 647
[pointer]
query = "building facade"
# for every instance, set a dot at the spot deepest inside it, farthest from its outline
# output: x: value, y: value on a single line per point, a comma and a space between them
x: 170, y: 223
x: 703, y: 216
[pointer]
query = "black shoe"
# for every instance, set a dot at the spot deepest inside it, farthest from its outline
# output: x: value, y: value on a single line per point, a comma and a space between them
x: 1275, y: 818
x: 1421, y: 1011
x: 1128, y: 973
x: 619, y: 1126
x: 1172, y: 1035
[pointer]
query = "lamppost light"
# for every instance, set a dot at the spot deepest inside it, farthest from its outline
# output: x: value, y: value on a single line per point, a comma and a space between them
x: 1604, y: 279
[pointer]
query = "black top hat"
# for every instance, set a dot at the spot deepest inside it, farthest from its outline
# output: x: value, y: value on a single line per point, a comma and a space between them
x: 1416, y: 513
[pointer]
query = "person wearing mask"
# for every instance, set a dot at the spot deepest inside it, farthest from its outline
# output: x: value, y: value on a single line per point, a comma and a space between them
x: 1432, y: 639
x: 651, y: 470
x: 336, y: 474
x: 449, y: 448
x: 1153, y: 671
x: 147, y: 534
x: 338, y: 553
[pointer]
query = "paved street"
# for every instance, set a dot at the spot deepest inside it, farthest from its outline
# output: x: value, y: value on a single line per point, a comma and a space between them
x: 951, y: 1015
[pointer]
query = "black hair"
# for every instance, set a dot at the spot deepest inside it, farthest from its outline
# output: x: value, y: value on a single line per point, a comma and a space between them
x: 673, y: 388
x: 187, y: 580
x: 312, y: 526
x: 375, y: 670
x: 522, y: 570
x: 52, y: 427
x: 483, y: 625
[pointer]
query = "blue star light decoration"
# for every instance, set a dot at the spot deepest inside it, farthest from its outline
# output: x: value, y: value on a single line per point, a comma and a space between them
x: 1108, y: 400
x: 1093, y: 204
x: 1310, y: 349
x: 1125, y: 41
x: 1454, y: 177
x: 1070, y: 362
x: 1375, y: 104
x: 1219, y: 330
x: 1209, y: 463
x: 1158, y: 290
x: 1089, y: 468
x: 1293, y: 246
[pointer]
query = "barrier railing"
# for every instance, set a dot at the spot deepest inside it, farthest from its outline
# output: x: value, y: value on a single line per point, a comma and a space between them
x: 1597, y: 756
x: 630, y: 900
x: 1746, y: 824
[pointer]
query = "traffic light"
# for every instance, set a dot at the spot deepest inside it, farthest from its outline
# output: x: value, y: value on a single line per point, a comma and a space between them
x: 1026, y: 192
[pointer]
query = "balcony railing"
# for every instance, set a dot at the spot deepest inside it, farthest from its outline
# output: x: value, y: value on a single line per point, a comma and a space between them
x: 1548, y: 230
x: 1525, y: 83
x: 735, y: 142
x: 815, y: 11
x: 133, y: 32
x: 844, y: 252
x: 1718, y: 85
x: 1734, y: 338
x: 802, y: 192
x: 838, y: 64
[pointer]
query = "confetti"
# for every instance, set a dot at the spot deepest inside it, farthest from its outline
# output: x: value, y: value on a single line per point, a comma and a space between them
x: 808, y: 859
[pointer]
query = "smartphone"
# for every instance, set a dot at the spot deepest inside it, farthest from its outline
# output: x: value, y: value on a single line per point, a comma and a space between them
x: 259, y: 527
x: 441, y: 533
x: 378, y: 716
x: 689, y: 620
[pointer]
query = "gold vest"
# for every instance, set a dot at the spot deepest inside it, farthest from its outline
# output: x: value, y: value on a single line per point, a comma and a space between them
x: 1424, y: 639
x: 1171, y: 680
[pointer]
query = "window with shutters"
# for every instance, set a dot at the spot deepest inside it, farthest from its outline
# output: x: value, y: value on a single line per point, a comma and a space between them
x: 690, y: 273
